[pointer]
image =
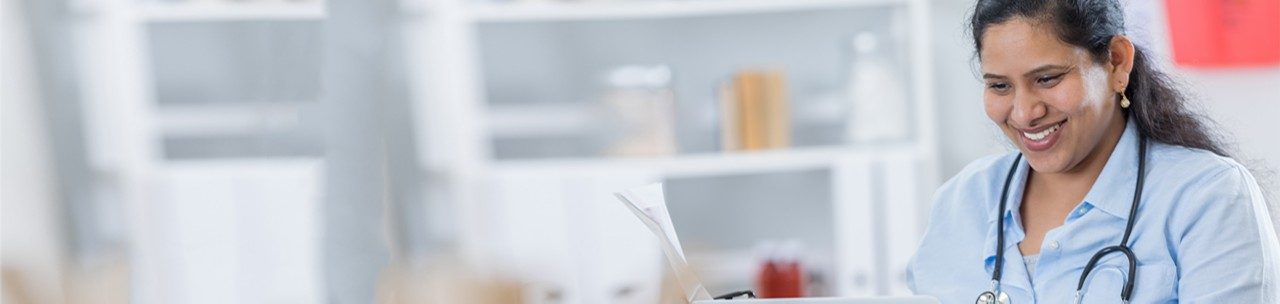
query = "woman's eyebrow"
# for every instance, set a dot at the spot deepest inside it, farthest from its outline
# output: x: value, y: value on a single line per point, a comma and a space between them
x: 1046, y: 68
x: 1033, y: 72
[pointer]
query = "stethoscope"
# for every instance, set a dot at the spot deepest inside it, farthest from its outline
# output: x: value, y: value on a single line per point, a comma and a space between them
x: 990, y: 297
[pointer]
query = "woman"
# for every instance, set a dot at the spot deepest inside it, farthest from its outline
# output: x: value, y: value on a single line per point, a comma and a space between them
x: 1086, y: 109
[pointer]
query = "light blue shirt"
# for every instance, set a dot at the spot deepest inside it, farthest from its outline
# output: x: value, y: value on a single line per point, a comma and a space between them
x: 1203, y: 234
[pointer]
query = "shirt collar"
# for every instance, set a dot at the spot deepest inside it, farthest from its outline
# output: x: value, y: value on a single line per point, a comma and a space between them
x: 1016, y: 187
x: 1112, y: 192
x: 1015, y: 274
x: 1011, y: 218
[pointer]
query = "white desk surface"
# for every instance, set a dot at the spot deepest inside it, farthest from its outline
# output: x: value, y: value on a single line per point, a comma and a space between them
x: 876, y: 300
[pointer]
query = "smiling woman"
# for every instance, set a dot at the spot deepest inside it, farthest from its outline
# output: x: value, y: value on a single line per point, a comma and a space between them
x: 1085, y: 106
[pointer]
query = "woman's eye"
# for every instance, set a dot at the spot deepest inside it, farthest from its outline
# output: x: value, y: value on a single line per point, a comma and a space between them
x: 1049, y: 79
x: 999, y: 86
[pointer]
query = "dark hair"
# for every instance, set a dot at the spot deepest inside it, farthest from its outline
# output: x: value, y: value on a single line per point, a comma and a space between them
x: 1159, y: 109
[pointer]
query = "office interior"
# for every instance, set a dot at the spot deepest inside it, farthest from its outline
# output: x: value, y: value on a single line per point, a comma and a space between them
x: 467, y: 151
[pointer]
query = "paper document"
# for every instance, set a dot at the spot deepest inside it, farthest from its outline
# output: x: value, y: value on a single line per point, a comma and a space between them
x: 650, y: 207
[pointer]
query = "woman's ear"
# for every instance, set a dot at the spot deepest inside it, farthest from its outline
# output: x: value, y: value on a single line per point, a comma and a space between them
x: 1121, y: 61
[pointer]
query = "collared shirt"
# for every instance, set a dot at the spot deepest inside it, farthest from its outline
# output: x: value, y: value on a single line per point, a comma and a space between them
x: 1202, y: 234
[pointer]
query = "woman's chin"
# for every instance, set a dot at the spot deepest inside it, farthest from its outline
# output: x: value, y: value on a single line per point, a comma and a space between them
x: 1048, y: 156
x: 1044, y: 162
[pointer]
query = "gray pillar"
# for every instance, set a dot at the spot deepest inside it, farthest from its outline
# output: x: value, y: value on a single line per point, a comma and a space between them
x: 360, y: 92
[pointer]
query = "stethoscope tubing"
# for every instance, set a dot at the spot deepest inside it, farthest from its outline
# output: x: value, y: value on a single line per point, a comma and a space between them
x: 1122, y: 248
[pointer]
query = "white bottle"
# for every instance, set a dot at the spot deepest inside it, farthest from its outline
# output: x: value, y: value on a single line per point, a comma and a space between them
x: 878, y: 103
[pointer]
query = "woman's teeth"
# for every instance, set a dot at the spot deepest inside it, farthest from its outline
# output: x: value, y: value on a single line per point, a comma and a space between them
x: 1038, y: 136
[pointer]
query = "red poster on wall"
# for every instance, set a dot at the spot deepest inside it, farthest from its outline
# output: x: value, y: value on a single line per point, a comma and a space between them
x: 1225, y: 33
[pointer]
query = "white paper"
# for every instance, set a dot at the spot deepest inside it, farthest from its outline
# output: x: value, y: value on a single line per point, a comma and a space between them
x: 650, y: 207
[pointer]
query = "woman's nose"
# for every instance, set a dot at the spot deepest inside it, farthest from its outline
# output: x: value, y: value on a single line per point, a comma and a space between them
x: 1027, y: 109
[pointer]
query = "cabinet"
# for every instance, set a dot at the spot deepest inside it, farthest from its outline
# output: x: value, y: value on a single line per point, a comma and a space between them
x: 512, y: 89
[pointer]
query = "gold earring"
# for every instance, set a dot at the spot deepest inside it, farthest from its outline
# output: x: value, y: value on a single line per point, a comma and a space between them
x: 1124, y: 101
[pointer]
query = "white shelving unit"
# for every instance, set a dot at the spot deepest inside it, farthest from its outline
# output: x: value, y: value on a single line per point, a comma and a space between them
x: 454, y: 123
x: 455, y: 132
x: 117, y: 71
x: 125, y: 129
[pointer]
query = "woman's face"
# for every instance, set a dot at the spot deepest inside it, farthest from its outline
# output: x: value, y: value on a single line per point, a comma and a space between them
x: 1049, y: 97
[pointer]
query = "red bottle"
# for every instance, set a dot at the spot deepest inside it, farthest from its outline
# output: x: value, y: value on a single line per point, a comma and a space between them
x: 781, y: 279
x: 781, y: 274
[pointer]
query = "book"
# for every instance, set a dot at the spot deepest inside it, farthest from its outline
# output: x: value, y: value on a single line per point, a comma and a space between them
x: 755, y: 111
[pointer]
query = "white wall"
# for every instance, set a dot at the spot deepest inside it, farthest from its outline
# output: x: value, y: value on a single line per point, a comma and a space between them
x: 1246, y: 104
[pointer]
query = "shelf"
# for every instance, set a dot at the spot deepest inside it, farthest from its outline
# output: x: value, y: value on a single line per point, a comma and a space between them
x: 725, y: 267
x: 227, y: 118
x: 243, y: 164
x: 531, y: 121
x: 735, y: 267
x: 213, y: 12
x: 711, y: 164
x: 656, y: 9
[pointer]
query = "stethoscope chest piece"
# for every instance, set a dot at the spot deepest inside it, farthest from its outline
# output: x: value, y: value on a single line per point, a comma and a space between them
x: 988, y: 297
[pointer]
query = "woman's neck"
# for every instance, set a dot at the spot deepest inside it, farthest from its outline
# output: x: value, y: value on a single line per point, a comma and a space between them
x: 1049, y: 197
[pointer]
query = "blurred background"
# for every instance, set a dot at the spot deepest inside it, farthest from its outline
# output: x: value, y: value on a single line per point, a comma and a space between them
x: 466, y: 151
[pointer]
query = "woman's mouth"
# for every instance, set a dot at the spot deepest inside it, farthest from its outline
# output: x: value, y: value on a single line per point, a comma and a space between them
x: 1042, y: 139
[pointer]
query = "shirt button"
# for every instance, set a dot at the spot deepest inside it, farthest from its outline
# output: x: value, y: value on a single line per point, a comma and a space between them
x: 1082, y: 211
x: 1054, y: 245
